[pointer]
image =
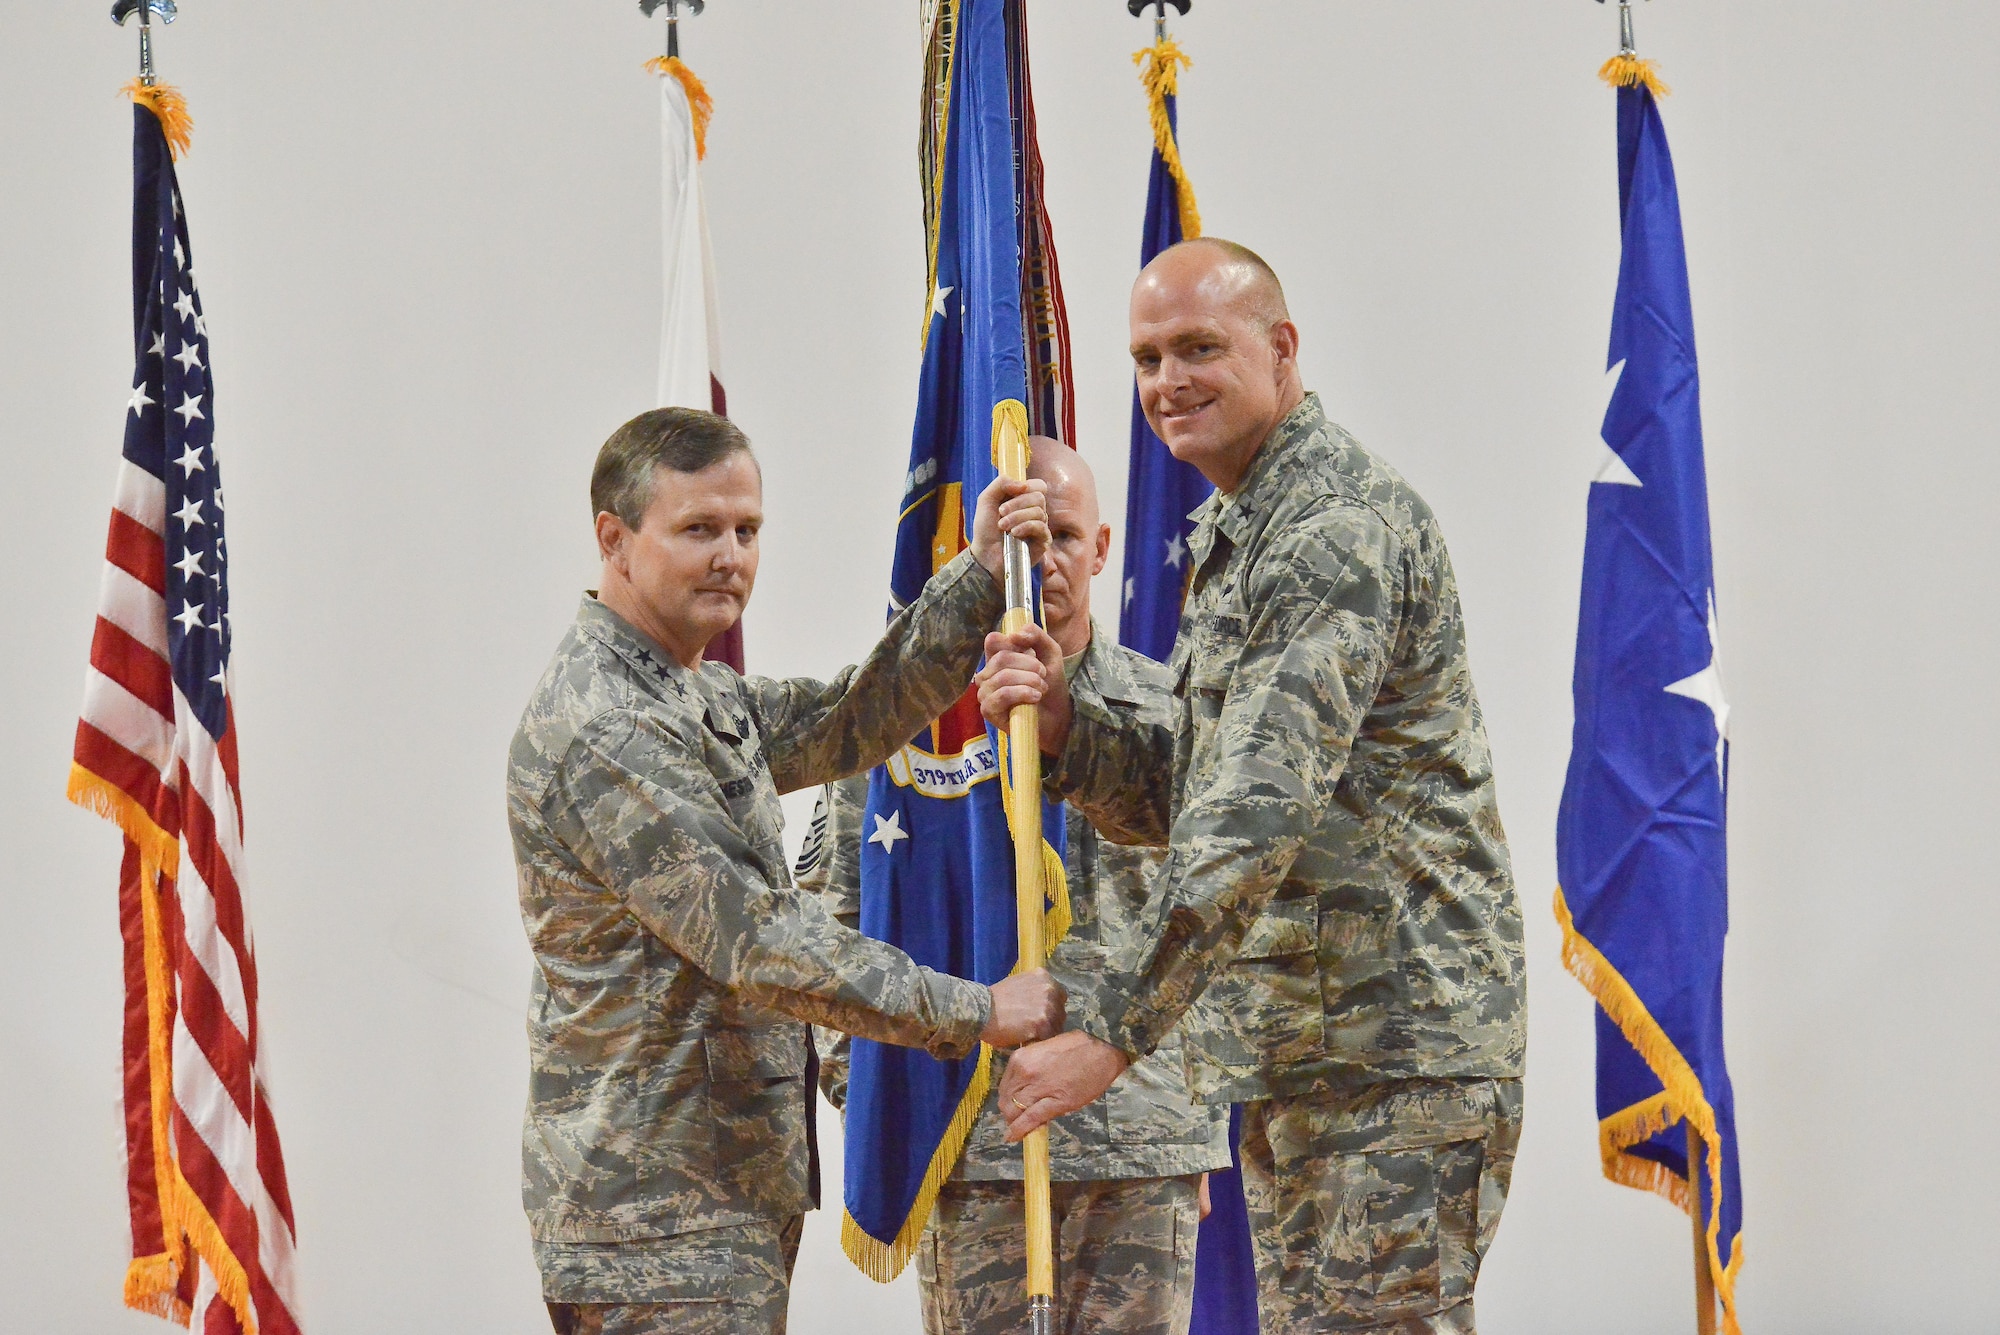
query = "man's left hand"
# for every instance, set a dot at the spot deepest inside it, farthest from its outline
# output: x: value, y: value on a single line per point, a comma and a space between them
x: 1056, y: 1076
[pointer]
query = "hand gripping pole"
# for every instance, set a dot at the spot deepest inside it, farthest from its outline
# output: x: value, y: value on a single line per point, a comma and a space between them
x: 1024, y: 747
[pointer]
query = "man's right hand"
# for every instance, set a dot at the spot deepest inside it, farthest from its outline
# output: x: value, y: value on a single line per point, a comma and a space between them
x: 1026, y: 1007
x: 1025, y: 667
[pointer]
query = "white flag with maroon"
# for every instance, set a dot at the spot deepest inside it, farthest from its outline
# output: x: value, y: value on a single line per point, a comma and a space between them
x: 690, y: 330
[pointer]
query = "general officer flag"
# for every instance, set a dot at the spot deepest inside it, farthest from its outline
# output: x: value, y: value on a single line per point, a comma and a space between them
x: 1640, y: 835
x: 937, y: 868
x: 1161, y: 491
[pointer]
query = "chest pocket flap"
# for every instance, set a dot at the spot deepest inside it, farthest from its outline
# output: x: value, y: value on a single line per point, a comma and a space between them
x: 1214, y: 651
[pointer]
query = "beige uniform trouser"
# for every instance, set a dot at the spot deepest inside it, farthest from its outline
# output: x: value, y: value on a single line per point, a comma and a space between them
x: 1371, y: 1210
x: 1124, y: 1258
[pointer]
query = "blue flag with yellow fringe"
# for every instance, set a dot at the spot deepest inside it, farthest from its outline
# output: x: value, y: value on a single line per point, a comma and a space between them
x: 1160, y: 490
x: 1641, y: 847
x: 1160, y: 493
x: 937, y: 866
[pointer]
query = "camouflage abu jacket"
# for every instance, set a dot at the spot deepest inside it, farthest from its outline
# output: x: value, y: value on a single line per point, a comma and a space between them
x: 1337, y: 906
x: 1146, y: 1125
x: 666, y: 1088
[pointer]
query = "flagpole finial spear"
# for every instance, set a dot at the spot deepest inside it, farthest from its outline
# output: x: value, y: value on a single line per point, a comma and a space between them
x: 1159, y: 7
x: 145, y: 9
x: 1626, y: 45
x: 673, y: 8
x: 1626, y: 69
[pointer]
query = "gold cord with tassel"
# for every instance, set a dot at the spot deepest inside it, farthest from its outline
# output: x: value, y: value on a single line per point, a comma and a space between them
x: 1159, y: 69
x: 170, y: 108
x: 699, y: 102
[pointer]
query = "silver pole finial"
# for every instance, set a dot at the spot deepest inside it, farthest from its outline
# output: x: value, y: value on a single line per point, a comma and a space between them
x: 1159, y: 7
x: 673, y: 8
x: 145, y: 9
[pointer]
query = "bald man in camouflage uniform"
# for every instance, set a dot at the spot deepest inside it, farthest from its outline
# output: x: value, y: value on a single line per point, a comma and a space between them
x: 664, y: 1152
x: 1336, y: 917
x: 1126, y: 1170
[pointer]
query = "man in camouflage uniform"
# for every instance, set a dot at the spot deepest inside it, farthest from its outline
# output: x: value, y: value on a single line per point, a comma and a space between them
x: 1127, y: 1170
x: 1336, y: 916
x: 664, y: 1152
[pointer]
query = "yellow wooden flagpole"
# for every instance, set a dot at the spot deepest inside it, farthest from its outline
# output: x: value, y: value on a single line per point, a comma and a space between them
x: 1024, y: 748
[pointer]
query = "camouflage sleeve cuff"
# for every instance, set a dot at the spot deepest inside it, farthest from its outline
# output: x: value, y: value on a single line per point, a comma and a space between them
x: 1097, y: 1006
x: 962, y: 1008
x: 1063, y: 774
x: 967, y: 590
x: 833, y: 1046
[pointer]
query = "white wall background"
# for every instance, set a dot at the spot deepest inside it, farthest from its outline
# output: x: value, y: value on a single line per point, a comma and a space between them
x: 427, y: 235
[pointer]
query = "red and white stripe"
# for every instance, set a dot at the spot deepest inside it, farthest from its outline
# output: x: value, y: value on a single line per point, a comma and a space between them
x: 138, y: 734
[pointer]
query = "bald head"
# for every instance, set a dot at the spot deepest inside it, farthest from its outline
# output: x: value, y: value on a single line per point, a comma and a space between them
x: 1214, y: 354
x: 1222, y: 272
x: 1066, y: 473
x: 1079, y: 540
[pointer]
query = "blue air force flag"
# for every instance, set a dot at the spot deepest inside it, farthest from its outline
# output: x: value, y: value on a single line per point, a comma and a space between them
x: 937, y: 876
x: 1640, y: 836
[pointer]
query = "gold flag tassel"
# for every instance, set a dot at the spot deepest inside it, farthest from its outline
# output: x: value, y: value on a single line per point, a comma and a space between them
x: 1627, y: 70
x: 699, y: 102
x: 1159, y: 69
x: 881, y: 1261
x: 170, y: 108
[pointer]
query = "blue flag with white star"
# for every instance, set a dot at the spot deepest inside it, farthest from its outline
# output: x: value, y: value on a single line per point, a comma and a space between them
x: 937, y: 865
x: 1640, y: 837
x: 1161, y: 491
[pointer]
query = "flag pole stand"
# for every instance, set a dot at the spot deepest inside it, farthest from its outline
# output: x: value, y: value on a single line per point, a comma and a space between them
x: 1024, y: 747
x: 1704, y: 1278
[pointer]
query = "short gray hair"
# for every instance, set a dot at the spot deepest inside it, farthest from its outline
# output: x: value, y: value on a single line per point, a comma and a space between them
x: 685, y: 440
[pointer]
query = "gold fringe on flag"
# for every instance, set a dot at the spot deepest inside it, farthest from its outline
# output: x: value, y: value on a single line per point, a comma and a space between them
x: 1625, y: 70
x: 882, y: 1261
x: 876, y: 1259
x: 166, y: 103
x: 699, y: 102
x: 1680, y: 1099
x: 1159, y: 69
x: 151, y: 1282
x: 940, y: 54
x: 159, y: 852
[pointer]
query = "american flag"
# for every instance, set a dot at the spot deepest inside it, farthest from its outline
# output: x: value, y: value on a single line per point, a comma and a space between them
x: 156, y: 753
